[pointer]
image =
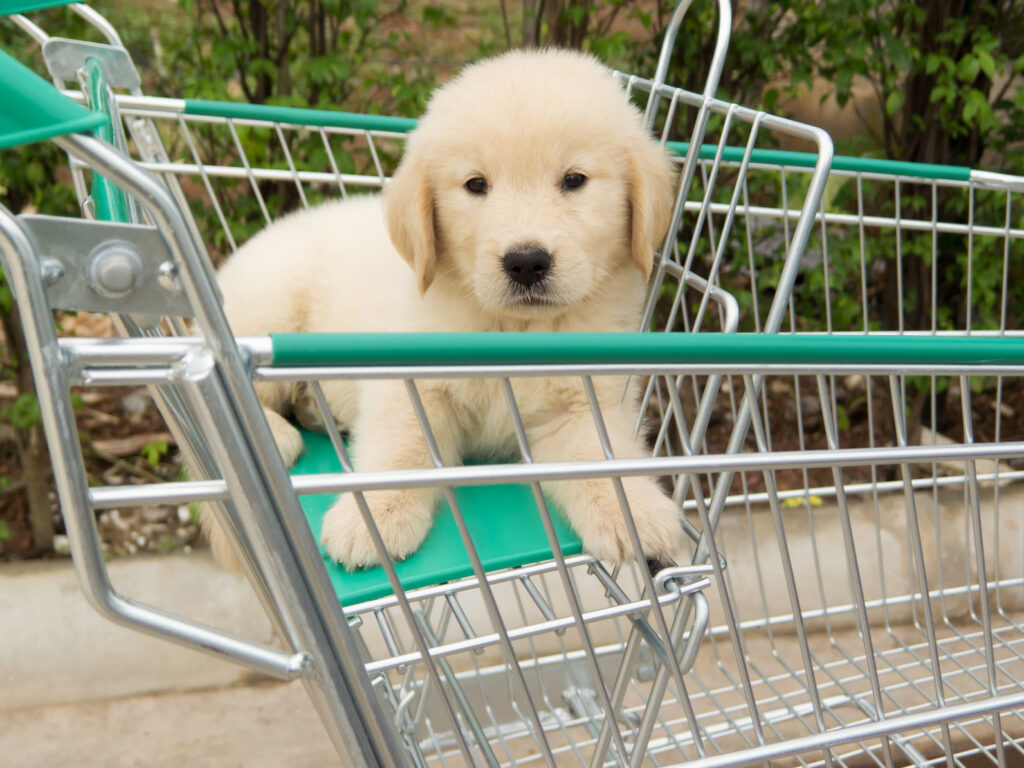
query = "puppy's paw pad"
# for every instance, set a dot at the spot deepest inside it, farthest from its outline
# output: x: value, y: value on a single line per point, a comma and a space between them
x: 403, y: 519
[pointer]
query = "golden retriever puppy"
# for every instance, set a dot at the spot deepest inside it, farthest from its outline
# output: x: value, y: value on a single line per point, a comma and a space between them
x: 530, y: 198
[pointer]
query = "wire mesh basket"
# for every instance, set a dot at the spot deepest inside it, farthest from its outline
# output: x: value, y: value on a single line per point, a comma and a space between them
x: 845, y: 455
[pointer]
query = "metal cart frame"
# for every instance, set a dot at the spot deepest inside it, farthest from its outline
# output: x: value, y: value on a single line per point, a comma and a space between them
x: 414, y: 692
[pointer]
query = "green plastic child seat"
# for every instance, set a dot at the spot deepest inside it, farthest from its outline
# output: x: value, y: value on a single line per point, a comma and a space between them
x: 31, y: 109
x: 503, y: 520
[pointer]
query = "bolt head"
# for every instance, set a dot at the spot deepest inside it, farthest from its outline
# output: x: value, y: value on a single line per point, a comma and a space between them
x: 114, y: 270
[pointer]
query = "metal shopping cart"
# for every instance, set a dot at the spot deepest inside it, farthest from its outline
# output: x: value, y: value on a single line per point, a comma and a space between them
x: 853, y: 589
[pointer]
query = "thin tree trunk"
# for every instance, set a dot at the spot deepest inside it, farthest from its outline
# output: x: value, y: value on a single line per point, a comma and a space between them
x: 532, y: 10
x: 284, y: 72
x: 504, y: 24
x: 557, y: 32
x: 34, y: 462
x: 32, y: 453
x: 261, y: 34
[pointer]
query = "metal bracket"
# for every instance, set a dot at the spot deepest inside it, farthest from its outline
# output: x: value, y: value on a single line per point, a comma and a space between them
x: 65, y: 57
x: 583, y: 703
x: 101, y: 266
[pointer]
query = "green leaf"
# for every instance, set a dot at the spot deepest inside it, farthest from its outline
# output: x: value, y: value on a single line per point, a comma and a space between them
x: 899, y: 54
x: 5, y: 531
x: 153, y: 451
x: 24, y: 413
x: 975, y: 103
x: 987, y: 63
x: 438, y: 16
x: 968, y: 68
x: 843, y: 81
x: 842, y: 418
x: 168, y: 544
x: 894, y: 101
x: 942, y: 93
x: 6, y: 299
x: 262, y: 67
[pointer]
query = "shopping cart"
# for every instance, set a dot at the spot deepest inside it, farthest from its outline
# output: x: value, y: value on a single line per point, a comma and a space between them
x: 853, y: 586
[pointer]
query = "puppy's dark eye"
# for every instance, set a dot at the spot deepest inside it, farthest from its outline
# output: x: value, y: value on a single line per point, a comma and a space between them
x: 573, y: 181
x: 476, y: 186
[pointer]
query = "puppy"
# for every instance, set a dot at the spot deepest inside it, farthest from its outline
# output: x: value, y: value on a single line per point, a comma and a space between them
x: 529, y: 198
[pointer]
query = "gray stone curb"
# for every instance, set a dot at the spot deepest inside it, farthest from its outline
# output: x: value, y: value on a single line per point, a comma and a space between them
x: 56, y: 649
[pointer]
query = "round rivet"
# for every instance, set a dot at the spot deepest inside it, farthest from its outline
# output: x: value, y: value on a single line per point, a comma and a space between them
x: 52, y: 271
x: 167, y: 276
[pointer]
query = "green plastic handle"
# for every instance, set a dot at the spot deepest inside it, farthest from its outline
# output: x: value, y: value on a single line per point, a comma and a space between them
x: 839, y: 162
x: 31, y: 109
x: 326, y: 118
x: 359, y: 349
x: 298, y: 116
x: 10, y: 7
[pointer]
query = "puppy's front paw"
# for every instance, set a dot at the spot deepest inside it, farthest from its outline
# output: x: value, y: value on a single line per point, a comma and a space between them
x: 286, y: 436
x: 402, y: 517
x: 602, y: 525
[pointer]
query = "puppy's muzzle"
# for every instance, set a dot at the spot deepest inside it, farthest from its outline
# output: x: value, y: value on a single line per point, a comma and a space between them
x: 527, y: 267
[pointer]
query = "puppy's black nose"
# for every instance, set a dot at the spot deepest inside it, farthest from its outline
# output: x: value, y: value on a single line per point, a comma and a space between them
x: 527, y: 266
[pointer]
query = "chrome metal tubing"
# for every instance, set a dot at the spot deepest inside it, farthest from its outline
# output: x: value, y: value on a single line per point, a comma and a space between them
x: 668, y: 48
x: 494, y: 474
x: 852, y: 733
x: 21, y: 268
x: 340, y: 690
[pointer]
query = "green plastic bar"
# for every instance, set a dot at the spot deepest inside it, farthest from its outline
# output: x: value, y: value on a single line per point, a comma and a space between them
x: 110, y: 201
x: 388, y: 124
x: 354, y: 121
x: 839, y: 162
x: 10, y: 7
x: 323, y: 349
x: 298, y: 116
x: 31, y: 109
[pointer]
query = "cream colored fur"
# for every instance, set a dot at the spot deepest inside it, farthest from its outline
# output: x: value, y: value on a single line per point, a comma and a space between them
x: 521, y: 121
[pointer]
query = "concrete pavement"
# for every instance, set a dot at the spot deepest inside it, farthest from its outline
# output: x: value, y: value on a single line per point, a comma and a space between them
x: 271, y: 725
x: 78, y: 690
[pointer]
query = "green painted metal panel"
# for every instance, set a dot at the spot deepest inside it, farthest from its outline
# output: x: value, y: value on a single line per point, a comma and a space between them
x: 638, y: 348
x: 31, y: 109
x: 298, y: 116
x: 503, y: 521
x: 9, y: 7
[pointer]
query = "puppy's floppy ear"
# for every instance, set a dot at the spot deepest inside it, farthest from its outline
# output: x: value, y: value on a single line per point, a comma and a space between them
x: 409, y: 211
x: 651, y: 187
